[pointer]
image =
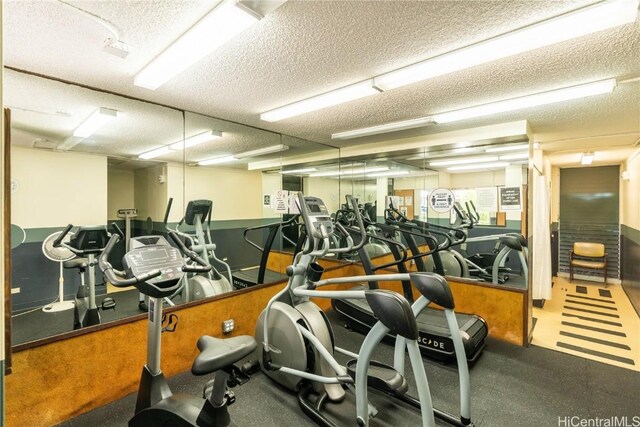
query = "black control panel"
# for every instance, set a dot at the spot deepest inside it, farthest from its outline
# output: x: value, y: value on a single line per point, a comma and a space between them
x: 197, y: 207
x: 318, y: 217
x: 157, y: 256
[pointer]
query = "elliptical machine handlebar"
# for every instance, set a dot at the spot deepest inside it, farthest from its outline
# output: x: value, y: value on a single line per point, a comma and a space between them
x: 201, y: 267
x: 114, y: 276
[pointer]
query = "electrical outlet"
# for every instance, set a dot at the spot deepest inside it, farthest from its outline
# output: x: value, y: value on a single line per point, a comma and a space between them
x: 228, y: 326
x: 15, y: 291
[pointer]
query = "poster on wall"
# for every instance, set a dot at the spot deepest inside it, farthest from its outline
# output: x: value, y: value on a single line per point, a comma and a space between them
x: 511, y: 199
x: 293, y: 202
x: 266, y: 200
x: 280, y: 201
x: 487, y: 199
x: 441, y: 200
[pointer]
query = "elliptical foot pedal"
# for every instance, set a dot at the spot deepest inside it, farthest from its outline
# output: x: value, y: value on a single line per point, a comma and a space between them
x: 382, y: 377
x: 108, y: 304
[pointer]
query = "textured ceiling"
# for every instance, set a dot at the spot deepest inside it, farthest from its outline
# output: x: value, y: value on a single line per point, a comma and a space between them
x: 308, y: 47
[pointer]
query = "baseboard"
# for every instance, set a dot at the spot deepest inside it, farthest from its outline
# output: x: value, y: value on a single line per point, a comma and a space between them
x: 597, y: 279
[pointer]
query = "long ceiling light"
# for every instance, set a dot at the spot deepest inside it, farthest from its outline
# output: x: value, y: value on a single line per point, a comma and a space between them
x: 350, y: 171
x: 95, y: 121
x: 262, y: 151
x: 216, y: 28
x: 200, y: 138
x: 464, y: 161
x: 328, y: 99
x: 217, y: 160
x: 502, y: 149
x: 388, y: 127
x: 517, y: 156
x: 389, y: 173
x: 479, y: 166
x: 155, y: 153
x: 543, y: 98
x: 294, y: 171
x: 587, y: 158
x: 587, y: 20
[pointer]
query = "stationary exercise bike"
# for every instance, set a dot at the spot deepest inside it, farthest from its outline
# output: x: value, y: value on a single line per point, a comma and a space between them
x: 156, y: 269
x: 89, y: 242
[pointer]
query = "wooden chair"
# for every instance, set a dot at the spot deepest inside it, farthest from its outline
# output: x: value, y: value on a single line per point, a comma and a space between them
x: 588, y: 255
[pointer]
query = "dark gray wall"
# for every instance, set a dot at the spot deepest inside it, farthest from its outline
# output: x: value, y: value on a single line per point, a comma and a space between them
x: 589, y: 212
x: 630, y: 272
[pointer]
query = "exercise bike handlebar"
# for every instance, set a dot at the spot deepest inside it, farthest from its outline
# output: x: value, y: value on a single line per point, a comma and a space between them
x: 117, y: 230
x: 58, y: 242
x: 114, y: 277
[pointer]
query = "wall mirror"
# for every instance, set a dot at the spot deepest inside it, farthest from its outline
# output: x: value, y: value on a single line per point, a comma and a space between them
x: 486, y: 176
x: 74, y: 160
x: 128, y: 170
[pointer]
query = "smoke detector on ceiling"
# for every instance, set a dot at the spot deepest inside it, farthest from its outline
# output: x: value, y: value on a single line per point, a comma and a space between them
x: 116, y: 48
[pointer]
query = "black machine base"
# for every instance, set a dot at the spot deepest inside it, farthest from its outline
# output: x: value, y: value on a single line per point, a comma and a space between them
x: 382, y: 377
x: 434, y: 341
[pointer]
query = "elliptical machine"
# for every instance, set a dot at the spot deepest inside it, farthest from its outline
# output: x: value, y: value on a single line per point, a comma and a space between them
x: 156, y: 269
x: 212, y: 282
x: 88, y: 241
x: 298, y: 343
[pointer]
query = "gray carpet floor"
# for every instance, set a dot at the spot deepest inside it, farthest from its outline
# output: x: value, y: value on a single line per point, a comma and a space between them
x: 510, y: 386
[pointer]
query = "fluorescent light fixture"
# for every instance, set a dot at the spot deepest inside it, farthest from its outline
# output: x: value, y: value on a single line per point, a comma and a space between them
x: 507, y: 148
x: 464, y: 161
x: 217, y: 160
x: 350, y: 171
x: 262, y: 151
x: 303, y: 170
x: 389, y: 173
x: 216, y: 28
x: 388, y: 127
x: 587, y: 158
x: 516, y: 156
x: 328, y: 99
x: 95, y: 121
x: 577, y: 23
x: 543, y: 98
x: 478, y: 166
x: 155, y: 153
x: 196, y: 139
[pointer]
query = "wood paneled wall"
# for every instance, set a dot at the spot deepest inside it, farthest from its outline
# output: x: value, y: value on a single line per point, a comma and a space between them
x: 57, y: 381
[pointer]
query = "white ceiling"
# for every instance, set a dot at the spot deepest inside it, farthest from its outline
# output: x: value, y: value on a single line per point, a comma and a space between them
x: 308, y: 47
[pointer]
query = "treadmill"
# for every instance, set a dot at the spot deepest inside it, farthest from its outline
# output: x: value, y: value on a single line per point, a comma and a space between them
x: 260, y: 274
x: 435, y: 339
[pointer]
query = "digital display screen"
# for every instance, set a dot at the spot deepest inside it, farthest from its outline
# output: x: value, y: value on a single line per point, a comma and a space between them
x: 314, y: 208
x: 151, y: 255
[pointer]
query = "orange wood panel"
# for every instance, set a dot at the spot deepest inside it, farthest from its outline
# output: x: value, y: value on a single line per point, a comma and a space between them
x: 63, y: 379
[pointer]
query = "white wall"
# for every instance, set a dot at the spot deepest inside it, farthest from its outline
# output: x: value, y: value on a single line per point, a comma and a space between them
x: 477, y: 179
x: 325, y: 188
x: 630, y: 192
x: 119, y: 191
x: 271, y: 183
x: 150, y: 195
x: 236, y: 194
x: 175, y: 189
x: 58, y: 188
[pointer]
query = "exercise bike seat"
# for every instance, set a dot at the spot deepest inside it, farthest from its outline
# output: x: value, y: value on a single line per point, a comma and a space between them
x: 219, y: 353
x: 520, y: 238
x: 76, y: 263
